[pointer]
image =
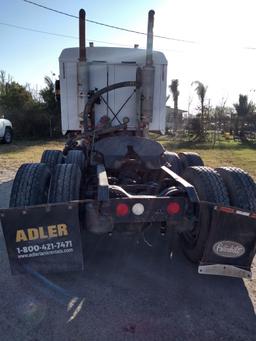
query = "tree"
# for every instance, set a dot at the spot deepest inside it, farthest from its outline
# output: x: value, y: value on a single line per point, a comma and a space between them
x: 219, y: 118
x: 193, y: 127
x: 24, y: 112
x: 15, y: 98
x: 201, y: 90
x: 4, y: 80
x: 31, y: 117
x: 175, y: 95
x: 51, y: 106
x: 244, y: 110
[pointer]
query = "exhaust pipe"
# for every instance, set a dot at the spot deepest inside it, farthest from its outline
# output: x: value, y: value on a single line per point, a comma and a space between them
x: 82, y: 49
x: 82, y: 70
x: 148, y: 76
x: 149, y: 53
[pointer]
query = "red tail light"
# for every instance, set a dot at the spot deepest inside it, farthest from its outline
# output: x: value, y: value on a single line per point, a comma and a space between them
x: 173, y: 208
x: 122, y: 210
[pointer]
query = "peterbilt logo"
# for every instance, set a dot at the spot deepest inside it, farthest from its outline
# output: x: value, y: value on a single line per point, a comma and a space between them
x: 228, y: 249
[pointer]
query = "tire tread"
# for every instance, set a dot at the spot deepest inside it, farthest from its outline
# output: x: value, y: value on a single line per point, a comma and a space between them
x: 210, y: 187
x: 65, y: 183
x: 76, y: 157
x: 174, y: 161
x: 30, y: 185
x: 52, y: 158
x: 189, y: 159
x: 241, y: 187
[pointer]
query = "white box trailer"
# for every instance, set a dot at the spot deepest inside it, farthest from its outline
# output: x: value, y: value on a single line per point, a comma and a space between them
x: 106, y: 66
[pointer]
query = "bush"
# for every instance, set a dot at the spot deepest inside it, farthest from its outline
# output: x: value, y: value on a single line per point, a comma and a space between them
x: 31, y: 118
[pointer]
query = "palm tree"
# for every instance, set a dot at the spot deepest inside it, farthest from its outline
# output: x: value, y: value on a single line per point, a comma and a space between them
x: 201, y: 90
x: 49, y: 83
x: 175, y: 95
x: 244, y: 109
x: 51, y: 104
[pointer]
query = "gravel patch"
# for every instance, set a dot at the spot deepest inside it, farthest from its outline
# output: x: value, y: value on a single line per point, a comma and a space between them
x: 6, y: 175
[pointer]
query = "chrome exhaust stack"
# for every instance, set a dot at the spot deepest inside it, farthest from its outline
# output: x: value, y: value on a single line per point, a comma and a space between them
x: 82, y: 49
x: 149, y: 52
x: 148, y: 73
x: 82, y: 70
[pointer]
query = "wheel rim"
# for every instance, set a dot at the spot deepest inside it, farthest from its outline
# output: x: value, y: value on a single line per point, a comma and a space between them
x: 191, y: 237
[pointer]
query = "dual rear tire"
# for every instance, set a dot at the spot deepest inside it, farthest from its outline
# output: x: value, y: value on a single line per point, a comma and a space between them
x: 240, y: 187
x: 50, y: 181
x: 31, y: 185
x: 227, y: 186
x: 173, y: 162
x: 209, y: 187
x: 65, y: 183
x: 189, y: 159
x: 35, y: 184
x: 52, y: 158
x: 178, y: 163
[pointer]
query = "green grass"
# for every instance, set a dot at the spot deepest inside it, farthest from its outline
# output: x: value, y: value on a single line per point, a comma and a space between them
x: 225, y: 153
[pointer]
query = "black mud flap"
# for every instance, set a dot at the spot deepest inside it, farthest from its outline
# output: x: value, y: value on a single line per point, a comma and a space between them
x: 43, y: 238
x: 231, y: 243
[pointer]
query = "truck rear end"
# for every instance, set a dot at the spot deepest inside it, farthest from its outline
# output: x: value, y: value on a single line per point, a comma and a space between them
x: 112, y: 178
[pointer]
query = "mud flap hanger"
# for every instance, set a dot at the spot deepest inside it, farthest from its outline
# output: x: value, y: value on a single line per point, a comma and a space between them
x: 231, y: 243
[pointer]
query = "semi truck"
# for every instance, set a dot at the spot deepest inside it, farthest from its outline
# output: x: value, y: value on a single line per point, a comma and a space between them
x: 111, y: 177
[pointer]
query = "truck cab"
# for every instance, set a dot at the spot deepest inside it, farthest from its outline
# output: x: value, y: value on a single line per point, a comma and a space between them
x: 106, y: 66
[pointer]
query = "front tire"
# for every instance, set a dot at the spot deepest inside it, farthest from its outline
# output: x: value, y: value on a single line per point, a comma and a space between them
x: 8, y: 135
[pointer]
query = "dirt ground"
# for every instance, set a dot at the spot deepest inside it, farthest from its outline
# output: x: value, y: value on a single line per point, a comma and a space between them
x: 128, y: 291
x: 12, y: 156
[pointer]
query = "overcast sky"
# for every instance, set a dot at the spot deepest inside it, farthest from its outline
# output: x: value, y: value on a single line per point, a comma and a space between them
x: 221, y: 56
